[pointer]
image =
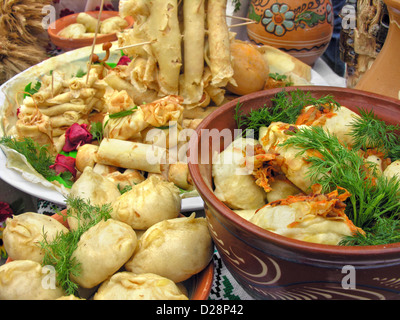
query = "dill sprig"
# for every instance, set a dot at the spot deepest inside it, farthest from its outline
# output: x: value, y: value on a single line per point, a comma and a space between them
x: 370, y: 132
x: 58, y: 253
x: 372, y: 197
x: 285, y: 107
x: 38, y: 156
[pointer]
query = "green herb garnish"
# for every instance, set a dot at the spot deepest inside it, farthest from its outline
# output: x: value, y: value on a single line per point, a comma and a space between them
x: 121, y: 114
x: 285, y: 107
x: 58, y: 253
x: 29, y: 90
x: 37, y: 156
x: 373, y: 197
x: 96, y: 130
x: 281, y: 77
x: 370, y: 132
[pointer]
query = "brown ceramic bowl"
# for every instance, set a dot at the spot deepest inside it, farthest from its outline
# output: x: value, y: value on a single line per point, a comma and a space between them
x: 71, y: 44
x: 198, y: 286
x: 270, y: 266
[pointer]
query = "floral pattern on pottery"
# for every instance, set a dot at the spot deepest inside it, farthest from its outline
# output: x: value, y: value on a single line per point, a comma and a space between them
x: 301, y: 28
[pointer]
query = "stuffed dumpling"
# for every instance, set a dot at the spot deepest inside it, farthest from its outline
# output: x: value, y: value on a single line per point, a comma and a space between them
x: 175, y: 249
x: 316, y: 217
x: 145, y: 286
x: 147, y: 203
x: 102, y: 250
x: 28, y: 280
x: 24, y: 232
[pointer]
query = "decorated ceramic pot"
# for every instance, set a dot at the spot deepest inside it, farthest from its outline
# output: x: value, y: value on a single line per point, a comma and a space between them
x: 301, y: 28
x: 268, y: 265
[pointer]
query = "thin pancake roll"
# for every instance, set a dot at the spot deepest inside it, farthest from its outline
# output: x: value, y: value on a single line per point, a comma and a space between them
x: 162, y: 27
x: 219, y: 55
x: 194, y: 32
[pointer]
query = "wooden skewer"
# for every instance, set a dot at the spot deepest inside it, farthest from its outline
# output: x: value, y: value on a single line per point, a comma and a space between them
x: 239, y: 18
x: 242, y: 24
x: 135, y: 45
x: 94, y: 40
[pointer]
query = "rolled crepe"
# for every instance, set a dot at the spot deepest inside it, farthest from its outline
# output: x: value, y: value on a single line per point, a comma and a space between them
x: 219, y: 57
x: 51, y: 87
x: 128, y: 127
x: 194, y: 26
x: 59, y: 110
x: 102, y: 251
x: 131, y: 286
x: 36, y: 126
x: 131, y: 155
x: 160, y: 112
x: 163, y: 26
x: 117, y: 83
x: 28, y: 280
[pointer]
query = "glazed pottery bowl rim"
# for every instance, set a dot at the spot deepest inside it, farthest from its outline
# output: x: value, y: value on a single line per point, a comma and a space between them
x: 264, y: 235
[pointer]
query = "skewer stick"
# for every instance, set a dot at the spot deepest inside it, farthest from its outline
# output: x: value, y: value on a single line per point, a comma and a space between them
x: 94, y: 40
x: 135, y: 45
x: 242, y: 24
x: 239, y: 18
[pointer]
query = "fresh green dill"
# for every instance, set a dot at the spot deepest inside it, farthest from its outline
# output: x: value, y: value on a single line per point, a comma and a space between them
x: 38, y: 156
x: 370, y: 132
x: 372, y: 198
x: 384, y: 231
x: 59, y: 252
x: 285, y: 107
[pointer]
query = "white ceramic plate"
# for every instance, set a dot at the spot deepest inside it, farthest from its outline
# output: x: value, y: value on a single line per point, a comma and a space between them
x: 15, y: 179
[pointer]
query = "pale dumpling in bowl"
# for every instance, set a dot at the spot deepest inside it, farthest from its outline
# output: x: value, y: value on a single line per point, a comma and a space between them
x: 234, y: 183
x: 95, y: 188
x: 146, y: 286
x: 147, y: 203
x: 317, y: 218
x: 28, y: 280
x: 175, y: 248
x: 103, y: 250
x: 24, y: 232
